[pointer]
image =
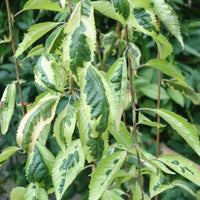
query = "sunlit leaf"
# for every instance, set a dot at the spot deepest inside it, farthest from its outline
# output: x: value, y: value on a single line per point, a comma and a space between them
x: 7, y: 107
x: 17, y: 193
x: 183, y: 166
x: 67, y: 167
x: 42, y: 4
x: 104, y: 174
x: 182, y: 126
x: 36, y: 51
x: 35, y: 120
x: 35, y: 32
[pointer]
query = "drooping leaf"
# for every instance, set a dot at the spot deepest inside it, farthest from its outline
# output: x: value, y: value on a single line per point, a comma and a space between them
x: 64, y: 126
x: 117, y: 79
x: 168, y: 17
x: 182, y: 126
x: 34, y: 192
x: 134, y: 54
x: 49, y: 73
x: 185, y: 90
x: 79, y: 49
x: 122, y: 7
x: 151, y: 91
x: 152, y: 160
x: 183, y: 166
x: 184, y: 185
x: 137, y: 194
x: 146, y: 121
x: 36, y: 51
x: 79, y: 43
x: 42, y: 4
x: 104, y: 174
x: 39, y: 164
x: 67, y: 167
x: 35, y: 32
x: 6, y: 153
x: 35, y: 120
x: 110, y: 195
x: 54, y: 42
x: 7, y: 107
x: 165, y: 67
x: 17, y: 193
x: 95, y: 99
x: 156, y: 185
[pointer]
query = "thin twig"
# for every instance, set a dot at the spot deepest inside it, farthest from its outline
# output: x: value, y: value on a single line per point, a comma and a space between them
x: 119, y: 40
x: 158, y: 106
x: 13, y: 49
x: 19, y: 12
x: 134, y: 113
x: 99, y: 55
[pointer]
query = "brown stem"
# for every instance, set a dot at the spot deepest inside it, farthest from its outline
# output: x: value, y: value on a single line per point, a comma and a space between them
x: 13, y: 49
x: 70, y: 7
x: 158, y: 106
x: 134, y: 115
x: 99, y: 55
x: 118, y: 36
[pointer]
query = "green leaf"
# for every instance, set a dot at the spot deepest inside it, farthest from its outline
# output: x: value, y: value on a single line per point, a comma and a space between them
x: 7, y: 107
x: 152, y: 160
x: 35, y: 32
x: 168, y: 17
x: 6, y: 153
x: 79, y: 49
x: 151, y: 90
x: 49, y: 73
x: 42, y: 4
x: 156, y: 185
x: 36, y: 51
x: 176, y: 96
x: 117, y: 79
x: 182, y: 126
x: 104, y: 174
x: 184, y: 185
x: 80, y: 42
x: 185, y: 90
x: 183, y: 166
x: 64, y: 126
x: 144, y: 19
x: 111, y: 195
x: 17, y: 193
x: 35, y: 120
x: 34, y: 192
x: 165, y: 67
x: 137, y: 194
x: 54, y: 42
x: 67, y: 167
x: 122, y: 7
x: 95, y: 99
x: 39, y: 164
x: 146, y: 121
x: 122, y: 136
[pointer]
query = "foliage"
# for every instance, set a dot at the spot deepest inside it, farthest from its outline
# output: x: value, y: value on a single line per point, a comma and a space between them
x: 88, y: 73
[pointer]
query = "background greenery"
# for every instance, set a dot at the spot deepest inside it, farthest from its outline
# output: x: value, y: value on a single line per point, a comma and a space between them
x: 186, y: 60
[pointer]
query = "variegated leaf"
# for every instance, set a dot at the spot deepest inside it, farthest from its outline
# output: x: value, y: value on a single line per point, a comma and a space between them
x: 67, y: 167
x: 64, y: 126
x: 49, y: 73
x: 35, y: 120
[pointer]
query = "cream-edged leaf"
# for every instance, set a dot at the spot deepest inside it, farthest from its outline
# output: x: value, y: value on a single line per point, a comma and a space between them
x: 35, y: 120
x: 104, y: 174
x: 35, y: 32
x: 67, y: 167
x: 64, y: 126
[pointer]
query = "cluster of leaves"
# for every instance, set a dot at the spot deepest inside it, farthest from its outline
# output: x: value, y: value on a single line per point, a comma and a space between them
x: 74, y: 123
